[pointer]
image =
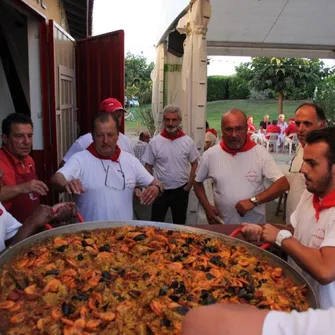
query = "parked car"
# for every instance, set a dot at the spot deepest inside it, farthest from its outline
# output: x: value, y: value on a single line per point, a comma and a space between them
x: 134, y: 102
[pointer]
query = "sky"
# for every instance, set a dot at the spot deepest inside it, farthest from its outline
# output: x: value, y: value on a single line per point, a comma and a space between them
x: 142, y: 30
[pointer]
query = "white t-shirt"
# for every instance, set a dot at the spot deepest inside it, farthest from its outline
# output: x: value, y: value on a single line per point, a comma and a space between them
x: 8, y: 227
x: 82, y: 142
x: 297, y: 184
x: 315, y: 234
x: 109, y: 185
x: 311, y: 322
x: 170, y: 159
x: 237, y: 178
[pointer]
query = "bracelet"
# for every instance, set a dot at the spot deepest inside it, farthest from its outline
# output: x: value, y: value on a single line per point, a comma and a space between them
x: 160, y: 191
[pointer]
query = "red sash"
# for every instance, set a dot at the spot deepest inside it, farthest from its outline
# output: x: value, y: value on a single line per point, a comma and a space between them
x: 179, y: 133
x: 93, y: 151
x: 327, y: 202
x: 248, y: 145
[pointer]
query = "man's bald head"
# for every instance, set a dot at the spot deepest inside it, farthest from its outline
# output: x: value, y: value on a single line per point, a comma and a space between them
x: 234, y: 128
x: 145, y: 136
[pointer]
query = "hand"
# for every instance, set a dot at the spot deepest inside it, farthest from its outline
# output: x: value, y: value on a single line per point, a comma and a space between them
x: 251, y: 231
x: 149, y: 195
x: 74, y: 187
x: 187, y: 188
x: 64, y: 211
x: 270, y: 233
x: 40, y: 217
x: 35, y: 186
x: 138, y: 192
x: 212, y: 215
x: 244, y: 206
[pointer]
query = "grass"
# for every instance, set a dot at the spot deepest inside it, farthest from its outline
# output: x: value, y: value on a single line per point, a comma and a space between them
x: 255, y: 108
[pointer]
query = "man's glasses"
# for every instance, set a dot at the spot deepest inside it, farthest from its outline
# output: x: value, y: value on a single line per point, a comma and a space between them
x: 114, y: 179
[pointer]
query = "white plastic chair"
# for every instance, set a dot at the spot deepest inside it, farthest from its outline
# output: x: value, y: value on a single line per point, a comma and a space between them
x: 290, y: 141
x: 273, y: 139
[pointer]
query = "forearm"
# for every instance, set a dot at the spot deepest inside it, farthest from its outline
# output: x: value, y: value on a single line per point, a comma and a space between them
x: 149, y: 168
x: 200, y: 192
x: 58, y: 182
x: 311, y: 260
x: 27, y: 229
x: 192, y: 174
x: 9, y: 192
x: 274, y: 191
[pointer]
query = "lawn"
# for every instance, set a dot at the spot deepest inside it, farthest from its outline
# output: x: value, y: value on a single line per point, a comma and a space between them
x: 256, y: 108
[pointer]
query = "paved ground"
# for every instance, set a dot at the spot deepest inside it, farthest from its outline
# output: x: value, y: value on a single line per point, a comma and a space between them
x: 283, y: 159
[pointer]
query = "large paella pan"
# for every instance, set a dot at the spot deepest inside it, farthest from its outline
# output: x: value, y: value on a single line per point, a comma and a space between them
x: 135, y: 277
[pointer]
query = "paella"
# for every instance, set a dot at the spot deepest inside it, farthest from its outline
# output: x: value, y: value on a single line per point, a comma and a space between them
x: 133, y: 280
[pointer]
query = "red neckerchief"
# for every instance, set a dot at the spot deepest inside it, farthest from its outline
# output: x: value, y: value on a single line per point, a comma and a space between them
x: 248, y: 145
x: 165, y: 134
x: 326, y: 202
x: 94, y: 152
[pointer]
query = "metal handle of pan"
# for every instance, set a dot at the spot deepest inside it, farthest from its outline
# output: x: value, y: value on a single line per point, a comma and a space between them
x: 78, y: 216
x: 238, y: 230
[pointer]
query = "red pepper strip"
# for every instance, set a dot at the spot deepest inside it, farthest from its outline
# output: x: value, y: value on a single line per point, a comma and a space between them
x: 47, y: 226
x: 238, y: 230
x: 79, y: 217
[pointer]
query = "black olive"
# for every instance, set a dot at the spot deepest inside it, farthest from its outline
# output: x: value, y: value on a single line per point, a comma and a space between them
x: 181, y: 289
x: 81, y: 297
x: 257, y: 269
x: 106, y: 276
x: 231, y: 289
x: 84, y: 243
x: 204, y: 268
x: 174, y: 284
x: 106, y: 247
x: 149, y: 331
x: 206, y: 298
x: 242, y: 293
x: 250, y: 288
x: 145, y: 276
x: 165, y: 323
x: 174, y: 298
x: 164, y: 290
x: 216, y: 260
x: 177, y: 258
x: 244, y: 273
x: 212, y: 249
x: 122, y: 273
x: 182, y: 310
x: 140, y: 237
x: 134, y: 293
x: 190, y: 297
x: 31, y: 254
x: 209, y: 276
x: 67, y: 309
x: 189, y: 240
x: 264, y: 280
x: 62, y: 248
x: 52, y: 272
x: 80, y: 257
x: 233, y: 249
x: 169, y: 232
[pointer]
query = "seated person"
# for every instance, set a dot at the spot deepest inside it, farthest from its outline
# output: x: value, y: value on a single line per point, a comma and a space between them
x: 265, y: 123
x: 251, y: 126
x: 272, y: 128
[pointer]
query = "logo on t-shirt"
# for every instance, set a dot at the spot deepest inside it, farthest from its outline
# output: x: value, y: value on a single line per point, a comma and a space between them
x: 130, y: 183
x: 317, y: 237
x: 251, y: 176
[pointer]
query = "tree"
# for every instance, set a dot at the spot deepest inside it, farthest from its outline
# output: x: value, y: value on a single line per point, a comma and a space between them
x: 138, y: 78
x: 283, y: 75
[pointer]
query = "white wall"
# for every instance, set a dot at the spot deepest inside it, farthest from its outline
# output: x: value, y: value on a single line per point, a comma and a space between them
x: 35, y: 82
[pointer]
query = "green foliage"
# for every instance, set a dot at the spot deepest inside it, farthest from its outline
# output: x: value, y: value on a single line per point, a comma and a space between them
x: 293, y: 77
x: 217, y: 88
x: 237, y: 88
x: 325, y: 97
x: 138, y: 81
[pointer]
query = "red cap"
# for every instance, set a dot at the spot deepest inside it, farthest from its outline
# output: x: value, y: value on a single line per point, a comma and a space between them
x: 111, y: 105
x: 291, y: 119
x: 213, y: 131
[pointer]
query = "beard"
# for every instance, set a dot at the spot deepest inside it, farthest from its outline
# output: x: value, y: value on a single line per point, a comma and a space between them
x: 320, y: 186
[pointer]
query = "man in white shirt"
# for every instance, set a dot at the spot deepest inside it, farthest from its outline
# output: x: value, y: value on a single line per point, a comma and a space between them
x: 174, y: 157
x: 312, y: 246
x: 141, y: 146
x: 308, y: 117
x: 232, y: 319
x: 103, y: 177
x: 110, y: 105
x: 238, y: 167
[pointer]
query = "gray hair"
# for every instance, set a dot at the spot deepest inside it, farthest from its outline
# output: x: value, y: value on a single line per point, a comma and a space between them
x: 172, y: 109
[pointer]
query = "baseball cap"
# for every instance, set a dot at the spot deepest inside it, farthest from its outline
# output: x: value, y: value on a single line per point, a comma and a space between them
x: 111, y: 105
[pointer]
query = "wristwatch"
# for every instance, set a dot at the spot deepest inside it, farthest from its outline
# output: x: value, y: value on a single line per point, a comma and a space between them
x: 282, y: 235
x: 254, y: 201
